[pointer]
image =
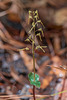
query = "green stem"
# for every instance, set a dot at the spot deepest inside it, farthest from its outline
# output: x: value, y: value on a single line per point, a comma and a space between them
x: 33, y: 52
x: 33, y: 46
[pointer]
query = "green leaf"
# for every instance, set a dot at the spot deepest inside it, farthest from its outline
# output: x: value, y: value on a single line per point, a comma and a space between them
x: 36, y: 83
x: 31, y: 79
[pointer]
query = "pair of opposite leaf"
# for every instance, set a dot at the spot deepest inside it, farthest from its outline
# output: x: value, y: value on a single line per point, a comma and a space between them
x: 35, y: 82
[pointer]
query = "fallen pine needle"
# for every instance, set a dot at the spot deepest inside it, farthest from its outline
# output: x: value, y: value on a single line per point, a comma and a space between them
x: 23, y: 96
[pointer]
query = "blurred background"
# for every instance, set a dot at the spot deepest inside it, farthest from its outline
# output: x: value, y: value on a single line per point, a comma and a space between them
x: 15, y: 65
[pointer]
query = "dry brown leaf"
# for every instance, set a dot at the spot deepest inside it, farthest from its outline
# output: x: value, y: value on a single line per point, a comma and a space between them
x: 64, y: 95
x: 57, y: 3
x: 5, y: 32
x: 60, y: 17
x: 7, y: 38
x: 55, y: 66
x: 58, y: 88
x: 22, y: 80
x: 3, y: 4
x: 46, y: 81
x: 28, y: 61
x: 56, y: 41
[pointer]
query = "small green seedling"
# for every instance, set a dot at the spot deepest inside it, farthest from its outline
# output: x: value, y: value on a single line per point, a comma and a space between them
x: 34, y: 32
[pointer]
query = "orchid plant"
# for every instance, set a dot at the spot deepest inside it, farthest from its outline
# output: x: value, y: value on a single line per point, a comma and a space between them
x: 34, y: 32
